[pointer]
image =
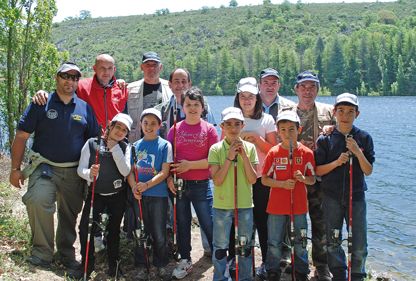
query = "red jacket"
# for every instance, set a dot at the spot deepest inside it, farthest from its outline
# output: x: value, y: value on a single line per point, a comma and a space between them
x: 93, y: 93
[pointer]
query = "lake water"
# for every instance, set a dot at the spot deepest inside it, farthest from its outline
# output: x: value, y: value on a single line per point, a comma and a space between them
x: 391, y: 191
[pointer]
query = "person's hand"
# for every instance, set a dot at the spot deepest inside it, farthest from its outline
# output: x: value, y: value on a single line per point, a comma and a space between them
x: 343, y: 158
x: 121, y: 83
x: 327, y: 130
x: 171, y: 185
x: 299, y: 176
x: 95, y: 168
x: 181, y: 167
x: 249, y: 136
x: 136, y: 193
x: 236, y: 148
x: 353, y: 146
x: 40, y: 98
x: 142, y: 186
x: 16, y: 178
x: 289, y: 184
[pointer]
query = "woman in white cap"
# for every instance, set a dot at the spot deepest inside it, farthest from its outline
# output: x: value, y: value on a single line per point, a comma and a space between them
x: 109, y: 175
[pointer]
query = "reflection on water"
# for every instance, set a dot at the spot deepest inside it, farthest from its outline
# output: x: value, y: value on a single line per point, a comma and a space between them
x: 392, y: 186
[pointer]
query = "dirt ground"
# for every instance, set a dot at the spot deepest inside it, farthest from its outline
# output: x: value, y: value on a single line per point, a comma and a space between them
x: 13, y: 266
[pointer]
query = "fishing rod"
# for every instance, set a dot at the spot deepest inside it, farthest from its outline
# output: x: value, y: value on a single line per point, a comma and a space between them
x: 350, y: 216
x: 292, y: 217
x: 90, y: 217
x: 237, y: 241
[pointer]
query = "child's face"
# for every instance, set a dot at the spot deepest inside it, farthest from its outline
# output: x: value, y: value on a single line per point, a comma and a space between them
x: 192, y: 108
x: 118, y: 132
x: 288, y: 132
x: 345, y: 114
x: 231, y: 128
x: 247, y: 101
x: 150, y: 125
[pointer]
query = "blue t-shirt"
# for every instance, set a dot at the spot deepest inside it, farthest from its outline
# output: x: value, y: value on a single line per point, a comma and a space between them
x: 150, y: 157
x: 60, y: 129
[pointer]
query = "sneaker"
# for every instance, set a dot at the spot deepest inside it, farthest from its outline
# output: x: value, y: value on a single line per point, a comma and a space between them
x: 142, y: 275
x: 322, y: 273
x: 34, y: 260
x: 98, y: 244
x: 163, y: 274
x: 183, y: 268
x: 70, y: 264
x: 261, y: 272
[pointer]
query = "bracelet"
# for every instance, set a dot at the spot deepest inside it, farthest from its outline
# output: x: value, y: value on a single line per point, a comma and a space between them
x: 147, y: 185
x: 16, y: 169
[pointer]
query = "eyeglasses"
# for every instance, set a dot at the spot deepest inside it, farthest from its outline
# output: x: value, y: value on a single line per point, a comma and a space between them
x: 67, y: 76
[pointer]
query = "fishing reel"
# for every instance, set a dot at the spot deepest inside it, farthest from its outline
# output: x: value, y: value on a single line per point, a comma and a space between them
x: 304, y: 238
x: 103, y: 222
x: 336, y: 236
x: 179, y: 188
x: 242, y: 247
x: 142, y: 239
x: 176, y: 254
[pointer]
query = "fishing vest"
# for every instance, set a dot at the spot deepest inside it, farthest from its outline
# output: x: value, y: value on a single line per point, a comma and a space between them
x: 110, y: 180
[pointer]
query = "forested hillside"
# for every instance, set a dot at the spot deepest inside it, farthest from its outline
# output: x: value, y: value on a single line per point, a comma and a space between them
x: 366, y: 48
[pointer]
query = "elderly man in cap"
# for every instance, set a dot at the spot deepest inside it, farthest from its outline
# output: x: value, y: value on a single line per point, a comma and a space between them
x: 60, y: 130
x: 314, y: 116
x: 147, y: 92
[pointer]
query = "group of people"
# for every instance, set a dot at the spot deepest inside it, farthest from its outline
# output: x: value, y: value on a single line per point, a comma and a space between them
x: 151, y: 146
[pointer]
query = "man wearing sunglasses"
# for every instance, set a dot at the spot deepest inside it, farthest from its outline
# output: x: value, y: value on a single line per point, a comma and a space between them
x: 60, y: 128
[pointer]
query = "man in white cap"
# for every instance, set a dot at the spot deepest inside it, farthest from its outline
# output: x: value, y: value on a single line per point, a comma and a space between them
x: 60, y: 129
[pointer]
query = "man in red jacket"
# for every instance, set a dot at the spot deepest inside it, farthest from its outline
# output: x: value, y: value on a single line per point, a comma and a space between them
x: 101, y: 91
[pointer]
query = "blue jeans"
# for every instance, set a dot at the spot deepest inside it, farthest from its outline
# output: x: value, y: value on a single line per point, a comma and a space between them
x: 200, y: 195
x: 335, y: 213
x: 223, y: 220
x: 277, y: 225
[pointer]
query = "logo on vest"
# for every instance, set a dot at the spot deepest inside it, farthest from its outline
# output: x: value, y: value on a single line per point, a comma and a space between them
x: 76, y: 117
x: 52, y: 114
x: 117, y: 183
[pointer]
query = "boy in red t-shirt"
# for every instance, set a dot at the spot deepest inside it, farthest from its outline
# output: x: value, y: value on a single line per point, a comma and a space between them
x: 288, y: 168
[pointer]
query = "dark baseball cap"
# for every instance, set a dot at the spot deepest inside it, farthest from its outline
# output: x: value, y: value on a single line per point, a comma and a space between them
x: 269, y: 72
x: 307, y: 76
x: 148, y: 56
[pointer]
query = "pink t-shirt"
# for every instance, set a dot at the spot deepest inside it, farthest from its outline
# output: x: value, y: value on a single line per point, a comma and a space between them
x: 193, y: 143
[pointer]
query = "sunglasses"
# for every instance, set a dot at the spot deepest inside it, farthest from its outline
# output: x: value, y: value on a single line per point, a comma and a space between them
x: 67, y: 76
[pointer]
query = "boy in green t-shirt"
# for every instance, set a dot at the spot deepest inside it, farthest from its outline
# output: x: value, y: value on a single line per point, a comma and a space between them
x: 232, y: 163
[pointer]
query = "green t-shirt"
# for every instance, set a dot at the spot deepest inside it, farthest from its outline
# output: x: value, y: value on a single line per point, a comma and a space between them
x: 224, y: 194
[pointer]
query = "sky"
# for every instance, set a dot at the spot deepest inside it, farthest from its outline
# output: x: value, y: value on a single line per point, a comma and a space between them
x: 108, y: 8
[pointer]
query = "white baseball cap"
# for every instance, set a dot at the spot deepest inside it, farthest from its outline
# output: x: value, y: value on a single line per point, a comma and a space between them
x: 123, y: 118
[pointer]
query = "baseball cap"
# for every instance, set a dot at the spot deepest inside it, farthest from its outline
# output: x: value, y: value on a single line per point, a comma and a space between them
x: 123, y: 118
x: 150, y: 56
x: 232, y: 113
x: 153, y: 111
x: 348, y: 98
x: 307, y: 76
x: 248, y: 84
x: 288, y: 115
x: 68, y: 66
x: 269, y: 72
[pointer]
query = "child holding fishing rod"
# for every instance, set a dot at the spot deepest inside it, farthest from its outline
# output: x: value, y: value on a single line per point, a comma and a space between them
x: 343, y: 158
x: 105, y: 164
x: 153, y: 156
x: 233, y: 164
x: 288, y: 168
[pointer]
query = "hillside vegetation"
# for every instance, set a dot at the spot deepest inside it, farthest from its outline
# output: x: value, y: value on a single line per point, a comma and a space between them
x: 366, y: 48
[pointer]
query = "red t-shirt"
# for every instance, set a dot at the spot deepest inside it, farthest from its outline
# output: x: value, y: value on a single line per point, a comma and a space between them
x: 277, y: 165
x: 193, y: 143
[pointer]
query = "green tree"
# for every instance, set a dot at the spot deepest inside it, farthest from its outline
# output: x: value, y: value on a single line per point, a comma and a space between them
x: 30, y: 59
x: 319, y: 50
x: 233, y: 3
x: 335, y: 68
x: 84, y: 14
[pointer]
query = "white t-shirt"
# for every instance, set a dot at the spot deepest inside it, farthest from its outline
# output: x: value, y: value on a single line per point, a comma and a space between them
x: 262, y: 127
